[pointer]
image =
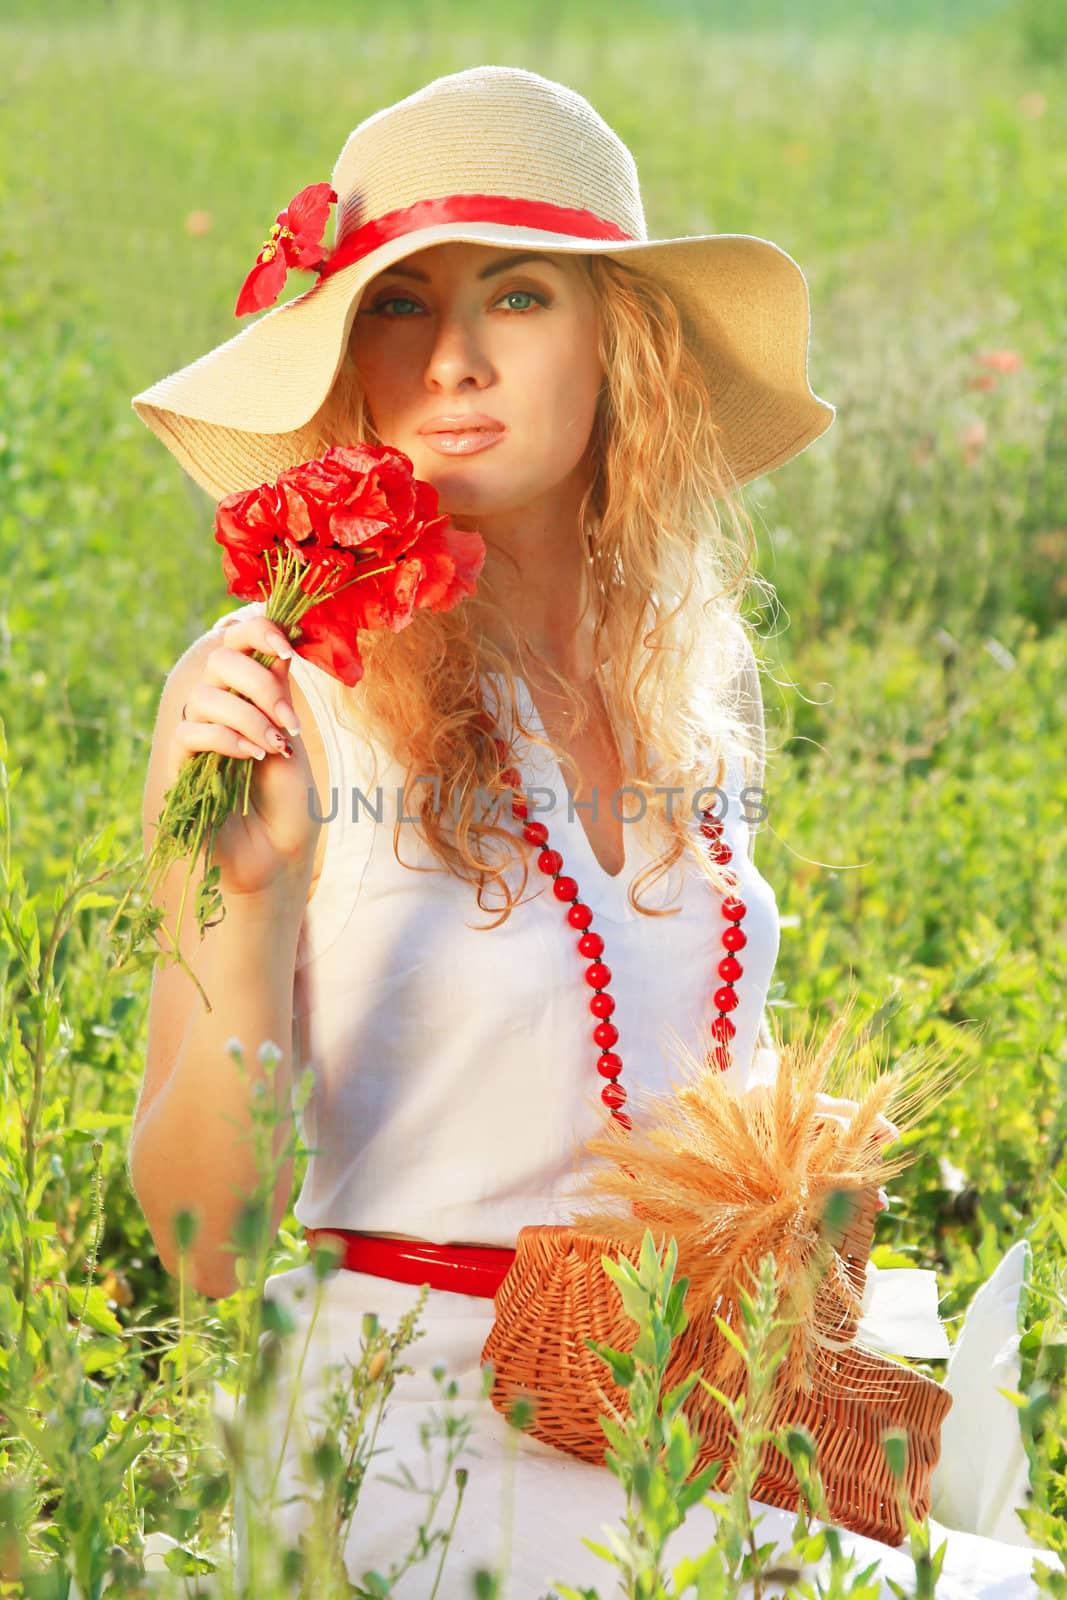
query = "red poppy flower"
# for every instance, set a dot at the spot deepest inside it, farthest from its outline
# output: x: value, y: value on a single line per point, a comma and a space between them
x: 1000, y: 360
x: 295, y: 241
x: 369, y: 543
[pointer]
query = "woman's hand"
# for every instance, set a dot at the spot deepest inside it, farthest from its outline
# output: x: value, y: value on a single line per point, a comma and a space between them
x: 835, y: 1109
x: 239, y: 707
x: 842, y: 1111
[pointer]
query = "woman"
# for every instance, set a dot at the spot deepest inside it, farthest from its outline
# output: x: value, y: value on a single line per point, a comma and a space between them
x: 590, y: 402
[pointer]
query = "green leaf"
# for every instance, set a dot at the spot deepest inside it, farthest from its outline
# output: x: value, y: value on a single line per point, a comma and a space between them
x: 674, y: 1314
x: 91, y: 1121
x: 92, y: 900
x: 98, y: 1314
x: 623, y: 1367
x: 895, y: 1445
x: 634, y: 1302
x: 100, y: 1354
x: 732, y: 1338
x: 676, y: 1397
x: 730, y: 1406
x: 187, y: 1563
x: 615, y: 1435
x: 681, y: 1451
x: 690, y: 1493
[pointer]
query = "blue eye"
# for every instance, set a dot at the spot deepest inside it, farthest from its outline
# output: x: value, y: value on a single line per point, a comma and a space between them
x: 527, y: 292
x: 394, y: 299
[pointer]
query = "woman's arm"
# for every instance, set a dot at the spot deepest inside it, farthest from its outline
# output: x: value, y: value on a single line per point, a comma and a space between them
x: 190, y: 1148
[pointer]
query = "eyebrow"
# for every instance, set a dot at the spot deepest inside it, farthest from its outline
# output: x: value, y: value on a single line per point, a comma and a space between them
x: 487, y: 272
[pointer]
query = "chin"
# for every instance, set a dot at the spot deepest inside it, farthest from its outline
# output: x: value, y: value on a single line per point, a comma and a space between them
x: 459, y: 494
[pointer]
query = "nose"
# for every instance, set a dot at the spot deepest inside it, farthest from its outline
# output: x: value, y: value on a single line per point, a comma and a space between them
x: 457, y: 356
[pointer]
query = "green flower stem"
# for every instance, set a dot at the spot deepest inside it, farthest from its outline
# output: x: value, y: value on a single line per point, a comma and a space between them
x: 296, y: 1393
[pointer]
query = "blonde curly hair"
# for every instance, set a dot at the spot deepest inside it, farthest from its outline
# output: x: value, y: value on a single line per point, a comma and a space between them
x: 668, y: 547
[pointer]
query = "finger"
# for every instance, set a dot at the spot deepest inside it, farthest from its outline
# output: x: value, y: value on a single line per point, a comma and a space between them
x: 190, y: 737
x: 265, y: 687
x: 208, y: 704
x: 255, y: 633
x: 833, y: 1102
x: 261, y: 634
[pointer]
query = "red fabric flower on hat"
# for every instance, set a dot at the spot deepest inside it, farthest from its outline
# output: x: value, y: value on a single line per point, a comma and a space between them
x: 295, y: 241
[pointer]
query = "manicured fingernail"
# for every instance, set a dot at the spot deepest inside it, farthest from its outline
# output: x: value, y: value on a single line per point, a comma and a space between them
x: 247, y: 748
x: 283, y: 650
x: 287, y: 717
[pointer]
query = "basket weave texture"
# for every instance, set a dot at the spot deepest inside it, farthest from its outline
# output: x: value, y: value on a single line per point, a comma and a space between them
x: 556, y: 1294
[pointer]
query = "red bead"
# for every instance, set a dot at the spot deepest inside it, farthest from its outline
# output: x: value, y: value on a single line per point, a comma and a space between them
x: 620, y: 1116
x: 609, y: 1065
x: 580, y: 916
x: 730, y: 969
x: 512, y: 777
x: 719, y: 1058
x: 605, y: 1034
x: 613, y: 1095
x: 590, y: 944
x: 519, y: 808
x: 722, y: 1029
x: 598, y: 976
x: 733, y: 908
x: 535, y: 833
x: 565, y: 888
x: 602, y: 1004
x: 550, y: 861
x: 711, y: 830
x: 734, y: 938
x: 725, y: 999
x: 721, y: 855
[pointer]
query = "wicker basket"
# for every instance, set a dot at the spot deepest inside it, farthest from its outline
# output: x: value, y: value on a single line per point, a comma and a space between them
x: 556, y: 1294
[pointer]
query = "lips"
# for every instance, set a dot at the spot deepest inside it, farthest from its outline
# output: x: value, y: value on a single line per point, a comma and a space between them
x: 466, y: 442
x: 472, y: 422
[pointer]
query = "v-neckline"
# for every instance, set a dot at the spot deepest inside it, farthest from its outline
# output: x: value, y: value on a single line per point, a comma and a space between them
x: 602, y: 892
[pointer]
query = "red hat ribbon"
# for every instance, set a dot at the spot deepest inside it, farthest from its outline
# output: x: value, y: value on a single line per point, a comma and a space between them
x: 301, y: 246
x: 499, y: 208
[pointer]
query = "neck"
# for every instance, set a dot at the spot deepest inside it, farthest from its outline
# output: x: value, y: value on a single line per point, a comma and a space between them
x: 537, y: 573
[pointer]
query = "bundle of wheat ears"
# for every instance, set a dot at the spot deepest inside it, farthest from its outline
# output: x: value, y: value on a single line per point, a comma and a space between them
x: 733, y: 1177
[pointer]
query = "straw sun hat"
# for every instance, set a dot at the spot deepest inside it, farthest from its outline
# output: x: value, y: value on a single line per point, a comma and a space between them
x: 496, y: 156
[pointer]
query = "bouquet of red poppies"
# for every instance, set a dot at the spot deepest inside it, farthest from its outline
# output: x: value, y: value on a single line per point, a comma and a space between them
x: 349, y: 540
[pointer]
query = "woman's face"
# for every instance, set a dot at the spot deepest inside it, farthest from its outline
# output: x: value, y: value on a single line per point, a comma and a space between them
x: 460, y: 328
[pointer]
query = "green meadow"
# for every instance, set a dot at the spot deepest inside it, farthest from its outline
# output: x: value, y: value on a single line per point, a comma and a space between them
x: 912, y: 605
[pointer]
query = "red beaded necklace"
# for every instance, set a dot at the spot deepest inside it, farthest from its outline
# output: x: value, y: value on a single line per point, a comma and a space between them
x: 591, y: 945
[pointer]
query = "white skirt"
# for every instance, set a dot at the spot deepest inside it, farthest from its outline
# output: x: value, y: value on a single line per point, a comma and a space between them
x: 527, y: 1508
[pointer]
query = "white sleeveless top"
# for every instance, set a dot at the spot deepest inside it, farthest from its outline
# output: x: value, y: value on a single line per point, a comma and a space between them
x: 455, y: 1076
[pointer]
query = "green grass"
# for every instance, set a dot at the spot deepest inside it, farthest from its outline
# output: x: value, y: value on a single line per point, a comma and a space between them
x: 914, y: 163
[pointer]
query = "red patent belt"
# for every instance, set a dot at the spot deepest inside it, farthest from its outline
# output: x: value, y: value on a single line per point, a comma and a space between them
x: 460, y: 1268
